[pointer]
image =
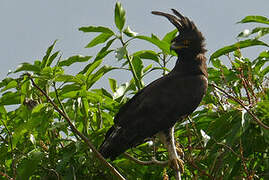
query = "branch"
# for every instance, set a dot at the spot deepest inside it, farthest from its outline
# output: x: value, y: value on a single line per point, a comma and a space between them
x: 75, y: 131
x: 153, y: 161
x: 239, y: 102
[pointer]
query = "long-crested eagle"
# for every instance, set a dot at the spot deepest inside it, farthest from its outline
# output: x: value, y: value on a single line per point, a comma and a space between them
x: 158, y: 106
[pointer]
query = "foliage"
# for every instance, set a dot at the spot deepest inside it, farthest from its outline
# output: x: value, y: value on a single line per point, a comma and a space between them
x: 221, y: 139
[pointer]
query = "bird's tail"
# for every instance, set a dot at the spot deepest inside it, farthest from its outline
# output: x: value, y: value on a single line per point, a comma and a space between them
x: 117, y: 141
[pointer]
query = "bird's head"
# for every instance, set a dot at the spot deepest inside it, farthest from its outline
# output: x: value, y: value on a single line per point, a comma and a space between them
x: 190, y: 39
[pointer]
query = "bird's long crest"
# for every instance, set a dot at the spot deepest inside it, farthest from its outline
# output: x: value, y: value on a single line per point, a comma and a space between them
x: 182, y: 23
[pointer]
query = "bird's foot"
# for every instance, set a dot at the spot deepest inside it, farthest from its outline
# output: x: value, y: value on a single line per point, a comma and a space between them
x: 177, y: 164
x: 179, y: 150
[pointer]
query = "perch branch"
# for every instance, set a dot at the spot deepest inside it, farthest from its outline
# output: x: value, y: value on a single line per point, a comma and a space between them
x: 153, y: 161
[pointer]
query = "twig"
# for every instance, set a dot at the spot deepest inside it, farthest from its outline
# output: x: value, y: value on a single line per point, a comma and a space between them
x: 5, y: 175
x: 239, y: 102
x: 75, y: 131
x: 12, y: 150
x: 243, y: 161
x: 192, y: 163
x: 137, y: 81
x: 152, y: 162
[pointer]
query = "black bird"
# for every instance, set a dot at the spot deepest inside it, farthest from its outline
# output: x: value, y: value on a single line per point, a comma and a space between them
x: 165, y: 101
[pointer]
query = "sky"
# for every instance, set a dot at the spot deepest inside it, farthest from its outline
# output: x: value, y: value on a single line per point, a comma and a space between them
x: 28, y: 27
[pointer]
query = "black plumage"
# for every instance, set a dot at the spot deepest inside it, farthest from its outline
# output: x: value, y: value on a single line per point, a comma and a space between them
x: 167, y: 100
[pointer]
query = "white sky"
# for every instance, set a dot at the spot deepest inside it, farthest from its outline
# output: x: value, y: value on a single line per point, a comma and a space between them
x: 28, y: 27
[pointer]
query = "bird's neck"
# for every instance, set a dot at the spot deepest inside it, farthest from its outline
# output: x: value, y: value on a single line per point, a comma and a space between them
x: 190, y: 64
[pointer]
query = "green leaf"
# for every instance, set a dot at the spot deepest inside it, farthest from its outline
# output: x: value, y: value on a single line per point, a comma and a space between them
x: 265, y: 71
x: 103, y: 52
x: 257, y: 19
x: 147, y: 54
x: 236, y: 46
x: 216, y: 63
x: 96, y: 76
x: 119, y: 16
x: 46, y: 57
x: 261, y: 31
x: 73, y: 59
x: 67, y: 78
x: 10, y: 98
x: 113, y: 84
x: 138, y: 66
x: 128, y: 32
x: 27, y: 67
x: 101, y: 38
x: 5, y: 81
x: 164, y: 46
x: 93, y: 66
x: 120, y: 53
x: 146, y: 69
x: 51, y: 58
x: 96, y: 29
x: 27, y: 166
x: 170, y: 36
x: 10, y: 85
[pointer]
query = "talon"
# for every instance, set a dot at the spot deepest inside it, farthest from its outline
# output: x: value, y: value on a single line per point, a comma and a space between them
x: 179, y: 150
x: 177, y: 164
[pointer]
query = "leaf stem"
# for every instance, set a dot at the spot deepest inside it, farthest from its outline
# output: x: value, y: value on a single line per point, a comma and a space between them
x: 137, y: 81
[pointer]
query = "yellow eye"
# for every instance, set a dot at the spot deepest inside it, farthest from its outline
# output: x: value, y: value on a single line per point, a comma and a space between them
x: 186, y: 42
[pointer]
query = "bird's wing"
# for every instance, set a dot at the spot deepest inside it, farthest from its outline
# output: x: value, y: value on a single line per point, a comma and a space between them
x: 163, y: 101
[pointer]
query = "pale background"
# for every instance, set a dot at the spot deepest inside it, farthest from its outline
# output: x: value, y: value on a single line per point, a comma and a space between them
x: 28, y: 27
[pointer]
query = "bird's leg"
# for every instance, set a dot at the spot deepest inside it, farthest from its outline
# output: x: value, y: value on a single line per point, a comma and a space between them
x: 180, y: 152
x: 167, y: 138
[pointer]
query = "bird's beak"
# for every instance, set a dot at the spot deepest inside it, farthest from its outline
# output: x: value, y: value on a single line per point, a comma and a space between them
x: 178, y: 45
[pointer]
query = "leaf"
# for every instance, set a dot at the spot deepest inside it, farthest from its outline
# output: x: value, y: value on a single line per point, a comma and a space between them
x: 265, y: 71
x: 238, y: 45
x: 103, y: 52
x: 261, y: 31
x: 46, y: 57
x: 27, y: 67
x: 119, y: 16
x: 257, y: 19
x: 96, y: 76
x: 164, y: 46
x: 138, y: 67
x: 120, y: 53
x: 147, y: 54
x: 128, y: 32
x: 113, y: 84
x: 27, y: 166
x: 51, y: 58
x: 93, y: 66
x: 101, y: 38
x: 146, y: 69
x: 5, y: 81
x: 96, y: 29
x: 10, y: 85
x: 10, y: 98
x: 170, y: 36
x: 67, y: 78
x: 73, y: 59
